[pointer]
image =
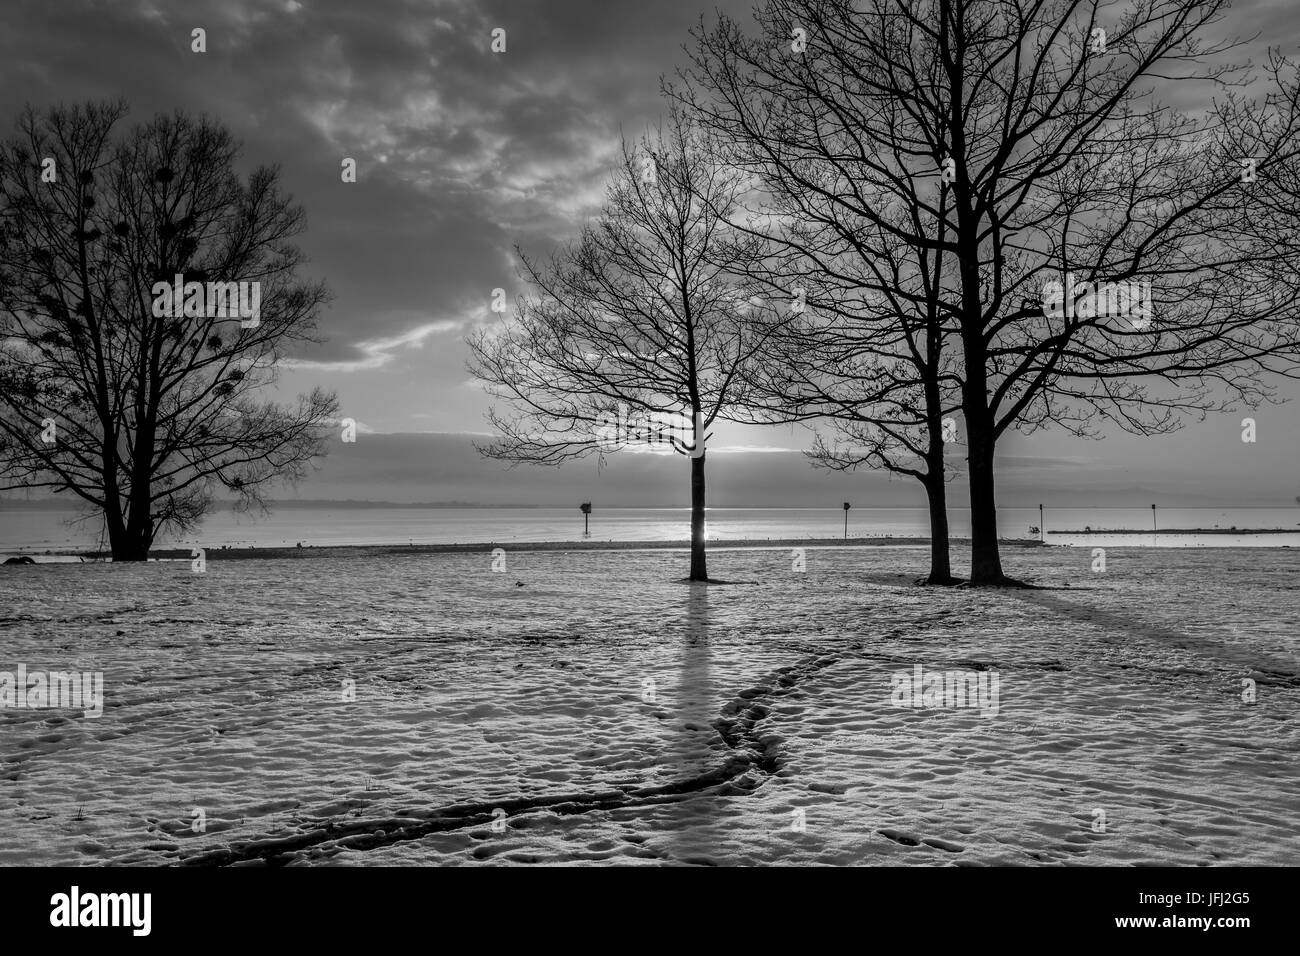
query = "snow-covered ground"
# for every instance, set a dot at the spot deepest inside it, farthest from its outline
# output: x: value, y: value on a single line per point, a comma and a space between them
x: 588, y: 706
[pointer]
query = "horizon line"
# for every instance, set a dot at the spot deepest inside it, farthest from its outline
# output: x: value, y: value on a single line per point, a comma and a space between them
x: 53, y: 503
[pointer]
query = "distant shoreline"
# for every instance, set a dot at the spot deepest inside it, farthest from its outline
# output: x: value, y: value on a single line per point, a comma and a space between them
x: 382, y: 550
x: 356, y: 504
x: 392, y: 550
x: 244, y: 553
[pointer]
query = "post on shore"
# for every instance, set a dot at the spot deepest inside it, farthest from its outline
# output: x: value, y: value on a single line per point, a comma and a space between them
x: 1042, y: 528
x: 586, y: 518
x: 846, y: 521
x: 1153, y: 519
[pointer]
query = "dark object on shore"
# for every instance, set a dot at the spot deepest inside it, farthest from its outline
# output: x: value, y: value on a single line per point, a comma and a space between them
x: 21, y: 559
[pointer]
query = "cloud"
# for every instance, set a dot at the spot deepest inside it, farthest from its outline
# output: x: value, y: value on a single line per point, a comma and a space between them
x: 379, y: 353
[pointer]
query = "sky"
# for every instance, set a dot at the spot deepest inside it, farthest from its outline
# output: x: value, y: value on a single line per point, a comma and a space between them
x: 462, y: 156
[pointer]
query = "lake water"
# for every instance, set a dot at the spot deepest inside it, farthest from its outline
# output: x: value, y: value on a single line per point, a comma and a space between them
x: 37, y: 530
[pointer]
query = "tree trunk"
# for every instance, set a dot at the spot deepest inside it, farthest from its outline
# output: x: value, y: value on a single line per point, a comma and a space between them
x: 136, y: 538
x: 985, y: 559
x: 935, y: 467
x: 123, y: 537
x: 699, y: 570
x: 940, y: 564
x: 981, y: 440
x: 127, y: 544
x: 114, y: 522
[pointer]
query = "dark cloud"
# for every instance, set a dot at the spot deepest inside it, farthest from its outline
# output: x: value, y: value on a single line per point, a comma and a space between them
x: 461, y: 152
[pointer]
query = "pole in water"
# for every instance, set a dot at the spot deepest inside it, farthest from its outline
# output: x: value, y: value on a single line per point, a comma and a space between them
x: 586, y: 518
x: 846, y: 521
x: 1042, y: 529
x: 1153, y: 519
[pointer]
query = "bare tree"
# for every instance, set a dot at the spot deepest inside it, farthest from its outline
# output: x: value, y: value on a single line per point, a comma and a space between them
x: 861, y: 357
x: 1053, y: 161
x: 861, y: 239
x: 641, y: 318
x: 139, y: 401
x: 872, y: 378
x: 1165, y: 303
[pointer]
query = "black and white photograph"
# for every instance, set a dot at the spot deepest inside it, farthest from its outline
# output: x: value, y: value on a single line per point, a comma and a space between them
x: 693, y: 434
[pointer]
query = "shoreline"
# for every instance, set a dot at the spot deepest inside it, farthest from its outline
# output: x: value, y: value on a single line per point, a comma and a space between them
x: 276, y: 552
x: 380, y: 550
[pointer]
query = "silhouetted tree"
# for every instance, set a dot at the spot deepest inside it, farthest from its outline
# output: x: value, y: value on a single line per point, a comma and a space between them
x: 1051, y: 160
x: 640, y: 317
x: 104, y: 393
